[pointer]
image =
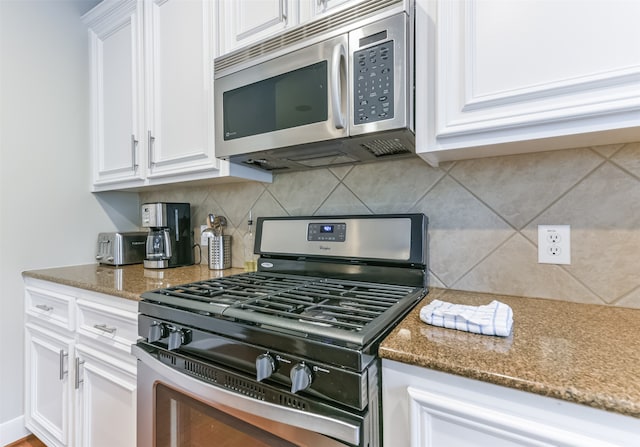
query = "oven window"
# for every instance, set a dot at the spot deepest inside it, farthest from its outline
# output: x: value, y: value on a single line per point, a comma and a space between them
x: 289, y: 100
x: 182, y: 421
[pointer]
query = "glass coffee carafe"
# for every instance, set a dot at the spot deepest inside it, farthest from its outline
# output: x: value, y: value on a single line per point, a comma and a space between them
x: 158, y: 245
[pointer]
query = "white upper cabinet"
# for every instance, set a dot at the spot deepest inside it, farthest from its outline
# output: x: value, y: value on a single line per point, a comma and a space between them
x: 318, y: 7
x: 152, y: 94
x: 179, y: 45
x: 242, y: 22
x: 496, y: 77
x: 117, y: 94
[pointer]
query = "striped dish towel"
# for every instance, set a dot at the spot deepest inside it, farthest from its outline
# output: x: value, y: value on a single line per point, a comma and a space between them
x: 495, y: 318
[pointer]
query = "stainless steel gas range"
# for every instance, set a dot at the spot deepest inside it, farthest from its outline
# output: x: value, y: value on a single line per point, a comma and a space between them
x: 287, y: 355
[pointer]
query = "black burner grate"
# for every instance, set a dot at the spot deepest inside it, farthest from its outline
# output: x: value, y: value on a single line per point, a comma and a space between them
x: 309, y: 304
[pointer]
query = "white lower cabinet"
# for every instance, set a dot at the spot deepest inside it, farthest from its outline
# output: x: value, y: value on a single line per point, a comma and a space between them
x: 49, y: 385
x: 427, y: 408
x: 105, y: 397
x: 81, y: 378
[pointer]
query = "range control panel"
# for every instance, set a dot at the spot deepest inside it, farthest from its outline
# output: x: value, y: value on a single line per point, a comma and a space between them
x: 327, y: 232
x: 373, y: 83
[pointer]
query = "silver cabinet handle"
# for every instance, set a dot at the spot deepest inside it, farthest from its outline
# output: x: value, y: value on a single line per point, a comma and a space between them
x: 105, y: 328
x: 62, y: 371
x: 44, y: 307
x: 134, y: 158
x: 285, y: 11
x: 78, y: 381
x: 150, y: 140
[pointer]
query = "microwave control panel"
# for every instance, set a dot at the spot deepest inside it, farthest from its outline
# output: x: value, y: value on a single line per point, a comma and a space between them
x: 373, y: 83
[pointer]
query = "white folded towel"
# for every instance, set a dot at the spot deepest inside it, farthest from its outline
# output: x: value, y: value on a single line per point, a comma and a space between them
x: 495, y: 318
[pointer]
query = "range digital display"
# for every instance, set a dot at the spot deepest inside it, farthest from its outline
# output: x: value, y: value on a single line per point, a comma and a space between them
x: 325, y: 232
x: 326, y: 229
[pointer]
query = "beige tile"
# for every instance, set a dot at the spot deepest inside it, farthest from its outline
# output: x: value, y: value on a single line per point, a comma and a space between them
x: 394, y: 186
x: 604, y: 214
x: 265, y: 206
x: 301, y: 193
x: 434, y: 281
x: 520, y: 186
x: 236, y: 199
x: 447, y: 165
x: 200, y: 211
x: 607, y: 150
x: 513, y: 269
x: 629, y: 158
x: 462, y: 230
x: 342, y: 201
x: 341, y: 171
x: 632, y: 299
x: 237, y: 248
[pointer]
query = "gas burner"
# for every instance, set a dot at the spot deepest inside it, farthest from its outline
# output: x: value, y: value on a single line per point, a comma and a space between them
x: 318, y: 317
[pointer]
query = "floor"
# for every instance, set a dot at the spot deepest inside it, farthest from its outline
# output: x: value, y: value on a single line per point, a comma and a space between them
x: 29, y: 441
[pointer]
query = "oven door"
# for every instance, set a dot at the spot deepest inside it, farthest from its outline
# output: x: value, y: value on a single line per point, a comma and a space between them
x: 178, y: 410
x: 297, y: 98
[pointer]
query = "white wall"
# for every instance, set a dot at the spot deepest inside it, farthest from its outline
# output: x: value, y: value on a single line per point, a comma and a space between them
x: 48, y: 217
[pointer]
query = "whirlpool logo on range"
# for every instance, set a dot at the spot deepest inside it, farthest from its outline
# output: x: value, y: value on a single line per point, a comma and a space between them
x: 324, y: 247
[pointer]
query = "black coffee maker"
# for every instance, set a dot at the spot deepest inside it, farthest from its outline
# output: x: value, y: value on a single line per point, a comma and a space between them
x: 170, y: 241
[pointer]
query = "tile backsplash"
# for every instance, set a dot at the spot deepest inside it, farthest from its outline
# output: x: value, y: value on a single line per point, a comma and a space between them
x: 483, y: 216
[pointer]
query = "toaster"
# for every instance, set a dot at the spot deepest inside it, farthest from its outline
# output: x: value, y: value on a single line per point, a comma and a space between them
x: 121, y: 248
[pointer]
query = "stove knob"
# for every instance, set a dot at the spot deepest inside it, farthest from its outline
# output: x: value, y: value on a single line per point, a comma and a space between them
x: 265, y: 366
x: 300, y: 377
x: 157, y: 331
x: 177, y: 338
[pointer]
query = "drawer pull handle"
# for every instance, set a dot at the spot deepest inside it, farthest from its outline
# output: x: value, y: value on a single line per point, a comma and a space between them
x: 44, y: 307
x: 105, y: 328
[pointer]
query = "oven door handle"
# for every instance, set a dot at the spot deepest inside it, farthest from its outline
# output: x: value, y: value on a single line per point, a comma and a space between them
x: 335, y: 428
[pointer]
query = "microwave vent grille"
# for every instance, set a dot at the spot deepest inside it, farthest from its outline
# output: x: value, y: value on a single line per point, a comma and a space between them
x: 318, y: 27
x: 380, y: 148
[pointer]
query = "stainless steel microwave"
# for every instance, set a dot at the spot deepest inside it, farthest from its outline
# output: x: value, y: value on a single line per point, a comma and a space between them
x: 344, y: 96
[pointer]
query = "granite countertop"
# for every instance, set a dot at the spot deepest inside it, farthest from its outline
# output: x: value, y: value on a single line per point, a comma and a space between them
x: 127, y: 281
x: 583, y: 353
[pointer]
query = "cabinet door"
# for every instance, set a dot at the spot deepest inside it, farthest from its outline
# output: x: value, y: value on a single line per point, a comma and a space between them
x: 179, y: 82
x: 48, y: 391
x: 508, y: 73
x: 116, y: 90
x: 105, y: 400
x: 241, y: 22
x: 438, y: 420
x: 322, y: 6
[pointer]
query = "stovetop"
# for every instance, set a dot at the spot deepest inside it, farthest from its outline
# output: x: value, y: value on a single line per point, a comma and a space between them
x: 328, y: 289
x: 352, y: 312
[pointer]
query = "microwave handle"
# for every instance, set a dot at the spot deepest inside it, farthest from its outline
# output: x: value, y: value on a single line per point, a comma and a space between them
x: 338, y: 61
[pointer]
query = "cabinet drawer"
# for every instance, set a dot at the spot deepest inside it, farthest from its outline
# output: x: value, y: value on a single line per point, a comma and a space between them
x: 53, y: 307
x: 107, y: 325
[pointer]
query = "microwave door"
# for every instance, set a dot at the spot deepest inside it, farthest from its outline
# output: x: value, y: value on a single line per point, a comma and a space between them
x: 297, y: 98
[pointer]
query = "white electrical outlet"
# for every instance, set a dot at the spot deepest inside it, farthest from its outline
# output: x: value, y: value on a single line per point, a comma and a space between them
x: 554, y: 244
x: 204, y: 237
